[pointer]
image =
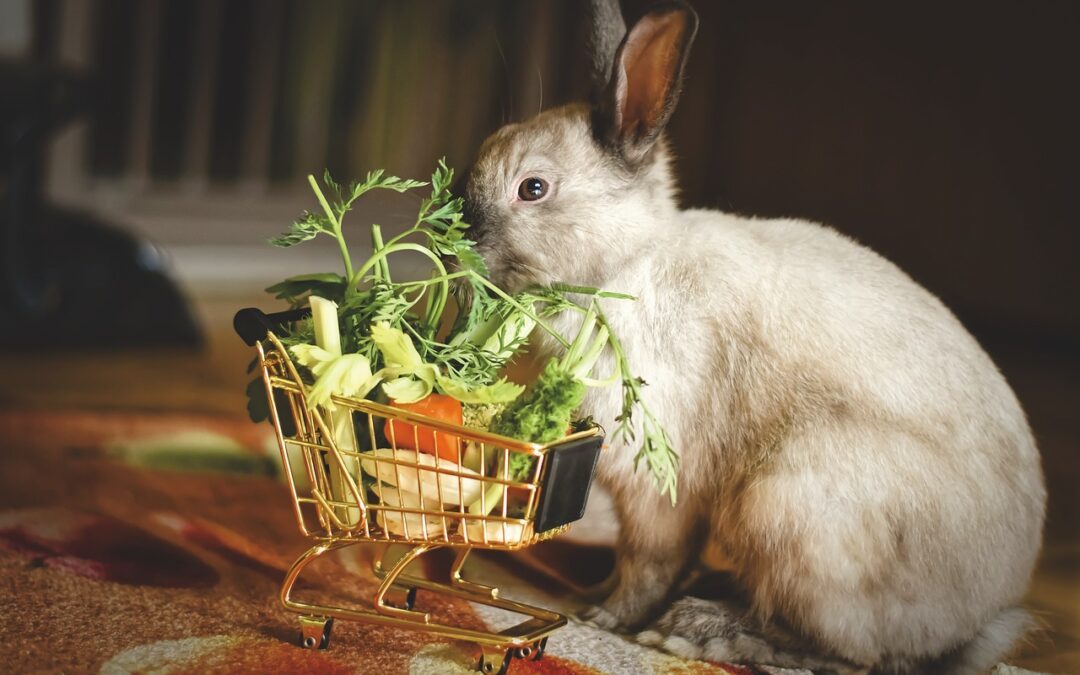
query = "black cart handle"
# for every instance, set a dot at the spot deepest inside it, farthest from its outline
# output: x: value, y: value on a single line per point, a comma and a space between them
x: 252, y: 324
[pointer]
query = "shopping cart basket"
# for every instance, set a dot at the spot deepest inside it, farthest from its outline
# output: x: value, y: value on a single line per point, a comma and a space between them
x: 355, y: 478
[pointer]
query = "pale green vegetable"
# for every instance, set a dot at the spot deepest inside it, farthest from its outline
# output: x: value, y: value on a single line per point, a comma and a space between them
x: 399, y: 353
x: 413, y: 378
x: 407, y: 389
x: 345, y: 375
x: 350, y: 373
x: 472, y: 457
x: 502, y: 391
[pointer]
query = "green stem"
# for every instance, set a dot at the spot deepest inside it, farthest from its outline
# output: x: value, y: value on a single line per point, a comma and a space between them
x: 589, y: 290
x: 616, y: 346
x: 517, y: 305
x: 437, y: 304
x: 573, y: 354
x: 345, y: 256
x: 595, y: 383
x: 588, y: 359
x: 603, y: 338
x: 412, y: 230
x: 656, y: 449
x: 376, y: 246
x: 322, y: 199
x: 387, y: 250
x: 336, y: 225
x: 491, y: 496
x: 435, y: 280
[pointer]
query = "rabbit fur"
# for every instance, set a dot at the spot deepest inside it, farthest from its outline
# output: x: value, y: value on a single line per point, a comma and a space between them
x: 843, y: 439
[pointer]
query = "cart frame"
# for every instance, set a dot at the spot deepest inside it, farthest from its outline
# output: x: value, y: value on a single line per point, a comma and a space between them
x: 337, y: 510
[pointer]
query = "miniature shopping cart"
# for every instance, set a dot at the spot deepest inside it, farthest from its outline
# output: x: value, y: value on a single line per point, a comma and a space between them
x: 356, y: 478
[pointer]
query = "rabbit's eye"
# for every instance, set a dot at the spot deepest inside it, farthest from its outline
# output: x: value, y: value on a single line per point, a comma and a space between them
x: 532, y: 189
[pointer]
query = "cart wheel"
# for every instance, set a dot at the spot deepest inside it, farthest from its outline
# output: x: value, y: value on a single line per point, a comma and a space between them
x: 532, y: 652
x: 488, y: 661
x: 315, y: 631
x: 539, y: 652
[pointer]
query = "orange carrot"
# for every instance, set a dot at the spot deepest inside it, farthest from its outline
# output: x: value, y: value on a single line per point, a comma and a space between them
x: 410, y: 436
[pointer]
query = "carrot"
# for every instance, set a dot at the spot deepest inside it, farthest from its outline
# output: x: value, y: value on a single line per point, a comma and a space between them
x: 425, y: 439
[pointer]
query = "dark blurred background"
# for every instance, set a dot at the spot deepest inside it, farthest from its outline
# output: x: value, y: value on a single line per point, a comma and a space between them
x: 945, y: 135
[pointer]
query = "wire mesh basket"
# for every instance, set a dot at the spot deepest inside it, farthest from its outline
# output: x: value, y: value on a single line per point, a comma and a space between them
x: 360, y: 472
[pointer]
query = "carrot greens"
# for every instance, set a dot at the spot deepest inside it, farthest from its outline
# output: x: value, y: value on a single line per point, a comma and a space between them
x: 392, y: 339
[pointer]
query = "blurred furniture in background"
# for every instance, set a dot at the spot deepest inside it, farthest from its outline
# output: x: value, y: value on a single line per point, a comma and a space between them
x: 67, y: 279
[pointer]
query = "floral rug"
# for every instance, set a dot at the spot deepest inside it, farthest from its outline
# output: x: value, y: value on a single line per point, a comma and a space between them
x: 158, y: 543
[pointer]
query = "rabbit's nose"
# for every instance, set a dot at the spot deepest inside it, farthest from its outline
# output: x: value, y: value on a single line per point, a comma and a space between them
x: 474, y: 217
x: 460, y: 189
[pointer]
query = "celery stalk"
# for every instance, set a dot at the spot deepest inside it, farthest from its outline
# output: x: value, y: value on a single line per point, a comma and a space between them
x: 492, y: 495
x: 327, y: 335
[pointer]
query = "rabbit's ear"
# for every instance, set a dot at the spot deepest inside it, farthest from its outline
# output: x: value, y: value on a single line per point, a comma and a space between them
x: 606, y: 32
x: 645, y: 81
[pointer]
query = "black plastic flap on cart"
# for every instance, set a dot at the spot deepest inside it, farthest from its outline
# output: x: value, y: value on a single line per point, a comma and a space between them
x: 253, y: 324
x: 568, y: 475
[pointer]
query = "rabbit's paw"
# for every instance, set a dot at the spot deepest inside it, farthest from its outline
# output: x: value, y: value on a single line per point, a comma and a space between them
x: 600, y: 618
x: 694, y: 628
x: 724, y: 631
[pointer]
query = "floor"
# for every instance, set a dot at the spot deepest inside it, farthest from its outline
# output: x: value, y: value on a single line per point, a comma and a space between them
x: 212, y: 382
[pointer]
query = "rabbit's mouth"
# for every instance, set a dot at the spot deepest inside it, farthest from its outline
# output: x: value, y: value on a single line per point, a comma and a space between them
x: 508, y: 269
x: 505, y: 268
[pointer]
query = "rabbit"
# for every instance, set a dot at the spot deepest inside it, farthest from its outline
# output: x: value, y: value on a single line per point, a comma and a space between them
x: 847, y: 444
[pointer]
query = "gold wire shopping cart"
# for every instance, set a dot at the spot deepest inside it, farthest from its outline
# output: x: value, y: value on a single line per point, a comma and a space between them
x: 356, y: 477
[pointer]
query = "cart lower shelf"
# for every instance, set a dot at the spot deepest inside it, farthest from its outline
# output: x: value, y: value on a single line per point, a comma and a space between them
x: 395, y: 597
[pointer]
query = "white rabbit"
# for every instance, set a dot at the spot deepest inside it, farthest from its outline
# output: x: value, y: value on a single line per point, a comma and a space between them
x: 846, y: 442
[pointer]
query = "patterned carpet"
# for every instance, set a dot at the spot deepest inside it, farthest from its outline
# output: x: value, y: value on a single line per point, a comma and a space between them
x: 158, y: 542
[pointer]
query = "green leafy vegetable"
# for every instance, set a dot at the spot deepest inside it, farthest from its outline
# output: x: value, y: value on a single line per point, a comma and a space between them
x: 390, y: 330
x: 543, y: 413
x: 306, y: 227
x: 656, y: 449
x: 295, y: 290
x: 502, y: 391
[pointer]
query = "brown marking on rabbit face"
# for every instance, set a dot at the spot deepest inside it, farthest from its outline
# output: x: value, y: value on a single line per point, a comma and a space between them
x: 595, y: 212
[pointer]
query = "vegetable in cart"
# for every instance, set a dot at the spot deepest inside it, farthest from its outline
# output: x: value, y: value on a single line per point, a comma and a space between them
x: 394, y: 345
